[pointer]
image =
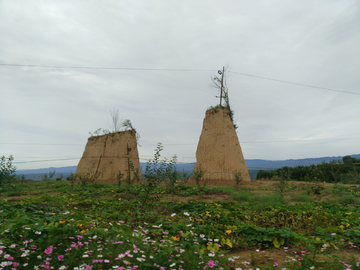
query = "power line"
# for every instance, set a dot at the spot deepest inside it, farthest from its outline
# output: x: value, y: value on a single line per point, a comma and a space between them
x: 178, y: 70
x: 106, y: 68
x: 69, y: 144
x: 299, y: 84
x: 182, y: 144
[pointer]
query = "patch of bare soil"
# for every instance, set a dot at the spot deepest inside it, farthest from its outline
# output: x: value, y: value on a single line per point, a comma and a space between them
x: 282, y: 256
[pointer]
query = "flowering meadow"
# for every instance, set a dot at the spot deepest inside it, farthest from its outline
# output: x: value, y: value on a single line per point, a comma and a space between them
x: 106, y: 227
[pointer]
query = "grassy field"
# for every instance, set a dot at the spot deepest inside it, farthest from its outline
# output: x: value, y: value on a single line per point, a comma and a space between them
x: 258, y: 225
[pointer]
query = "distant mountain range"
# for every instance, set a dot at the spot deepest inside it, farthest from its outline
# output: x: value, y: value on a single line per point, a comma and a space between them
x: 254, y: 165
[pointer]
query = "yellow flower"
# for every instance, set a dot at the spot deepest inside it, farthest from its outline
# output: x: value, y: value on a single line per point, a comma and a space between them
x: 348, y: 213
x: 309, y: 218
x: 112, y: 191
x: 341, y: 227
x: 347, y: 225
x: 119, y: 199
x: 228, y: 231
x: 175, y: 238
x: 317, y: 239
x: 207, y: 212
x: 62, y: 221
x: 83, y: 231
x: 80, y: 224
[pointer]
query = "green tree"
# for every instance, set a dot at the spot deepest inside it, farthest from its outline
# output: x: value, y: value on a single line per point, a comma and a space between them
x: 7, y: 170
x: 349, y: 160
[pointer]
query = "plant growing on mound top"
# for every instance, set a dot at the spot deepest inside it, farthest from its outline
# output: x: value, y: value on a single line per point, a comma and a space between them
x: 220, y: 83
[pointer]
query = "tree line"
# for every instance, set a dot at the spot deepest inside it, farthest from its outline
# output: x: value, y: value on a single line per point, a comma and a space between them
x: 346, y: 171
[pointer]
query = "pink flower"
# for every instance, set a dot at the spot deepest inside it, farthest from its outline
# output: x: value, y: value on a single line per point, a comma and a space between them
x: 300, y: 259
x: 61, y: 257
x: 48, y: 250
x: 211, y: 263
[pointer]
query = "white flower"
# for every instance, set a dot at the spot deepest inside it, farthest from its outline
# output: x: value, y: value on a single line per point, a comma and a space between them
x: 312, y: 267
x: 172, y: 265
x: 173, y: 215
x: 186, y: 214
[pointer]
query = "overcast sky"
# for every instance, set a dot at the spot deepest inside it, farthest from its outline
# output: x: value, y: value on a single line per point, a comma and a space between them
x: 48, y: 112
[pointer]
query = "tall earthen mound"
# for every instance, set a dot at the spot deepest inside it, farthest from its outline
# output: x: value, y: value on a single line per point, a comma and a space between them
x: 219, y: 151
x: 107, y: 154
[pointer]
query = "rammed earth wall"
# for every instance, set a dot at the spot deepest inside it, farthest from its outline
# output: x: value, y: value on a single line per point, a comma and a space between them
x: 219, y: 151
x: 108, y: 153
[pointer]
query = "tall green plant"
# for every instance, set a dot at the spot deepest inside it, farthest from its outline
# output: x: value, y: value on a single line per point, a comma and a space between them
x: 239, y: 177
x: 88, y: 177
x: 198, y: 175
x: 7, y: 170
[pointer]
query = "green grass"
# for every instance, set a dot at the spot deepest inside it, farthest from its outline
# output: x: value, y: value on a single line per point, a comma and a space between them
x: 347, y: 199
x: 302, y: 197
x: 264, y: 202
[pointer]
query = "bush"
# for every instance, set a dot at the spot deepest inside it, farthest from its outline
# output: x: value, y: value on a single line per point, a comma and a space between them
x: 238, y: 178
x: 198, y: 174
x: 7, y: 170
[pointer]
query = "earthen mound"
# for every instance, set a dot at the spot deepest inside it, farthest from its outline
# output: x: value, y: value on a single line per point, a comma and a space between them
x: 219, y: 151
x: 107, y: 154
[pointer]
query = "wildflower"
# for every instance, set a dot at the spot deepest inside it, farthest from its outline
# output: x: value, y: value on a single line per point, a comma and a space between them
x: 60, y: 257
x: 211, y: 263
x: 175, y: 238
x: 174, y: 214
x: 228, y: 231
x: 38, y: 233
x: 186, y: 214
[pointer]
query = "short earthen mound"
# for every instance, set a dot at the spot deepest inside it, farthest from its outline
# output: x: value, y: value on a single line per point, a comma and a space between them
x: 219, y: 151
x: 107, y: 154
